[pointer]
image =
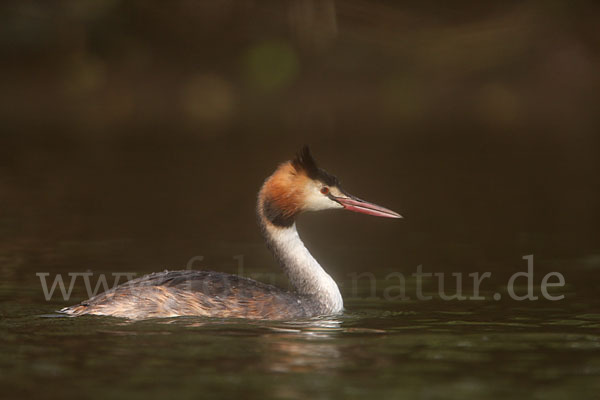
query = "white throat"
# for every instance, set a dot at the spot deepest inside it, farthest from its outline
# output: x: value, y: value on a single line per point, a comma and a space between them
x: 304, y: 272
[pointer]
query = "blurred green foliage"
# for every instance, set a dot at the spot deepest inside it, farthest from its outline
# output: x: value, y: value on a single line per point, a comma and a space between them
x: 105, y: 63
x: 271, y: 66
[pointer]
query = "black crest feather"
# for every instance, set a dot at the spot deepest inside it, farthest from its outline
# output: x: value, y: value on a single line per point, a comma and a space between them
x: 304, y: 162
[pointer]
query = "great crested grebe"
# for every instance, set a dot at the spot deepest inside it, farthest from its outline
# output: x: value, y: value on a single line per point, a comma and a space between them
x: 296, y: 186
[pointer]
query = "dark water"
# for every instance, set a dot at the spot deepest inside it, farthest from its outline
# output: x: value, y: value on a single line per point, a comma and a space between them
x: 433, y: 351
x: 430, y: 349
x: 135, y: 135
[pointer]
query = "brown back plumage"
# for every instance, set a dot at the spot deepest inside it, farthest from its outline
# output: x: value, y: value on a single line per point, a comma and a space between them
x: 197, y: 293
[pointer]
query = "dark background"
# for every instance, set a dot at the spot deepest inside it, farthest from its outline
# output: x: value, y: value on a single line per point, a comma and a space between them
x: 135, y: 134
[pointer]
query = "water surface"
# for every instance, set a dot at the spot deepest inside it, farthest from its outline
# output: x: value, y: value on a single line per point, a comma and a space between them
x: 427, y: 349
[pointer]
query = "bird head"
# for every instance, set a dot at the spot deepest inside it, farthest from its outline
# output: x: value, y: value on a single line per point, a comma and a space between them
x: 299, y: 185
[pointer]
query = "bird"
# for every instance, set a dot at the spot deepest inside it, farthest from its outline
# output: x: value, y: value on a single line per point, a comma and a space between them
x: 297, y: 186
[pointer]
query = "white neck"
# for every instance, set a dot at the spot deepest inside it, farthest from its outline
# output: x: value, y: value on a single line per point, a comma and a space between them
x: 303, y: 271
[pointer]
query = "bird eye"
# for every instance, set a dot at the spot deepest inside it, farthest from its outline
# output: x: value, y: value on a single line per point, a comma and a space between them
x: 325, y: 190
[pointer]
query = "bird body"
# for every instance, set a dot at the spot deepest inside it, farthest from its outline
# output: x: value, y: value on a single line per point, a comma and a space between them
x: 295, y: 187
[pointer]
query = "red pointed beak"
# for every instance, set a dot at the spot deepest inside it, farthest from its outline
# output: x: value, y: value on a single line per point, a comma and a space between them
x: 364, y: 207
